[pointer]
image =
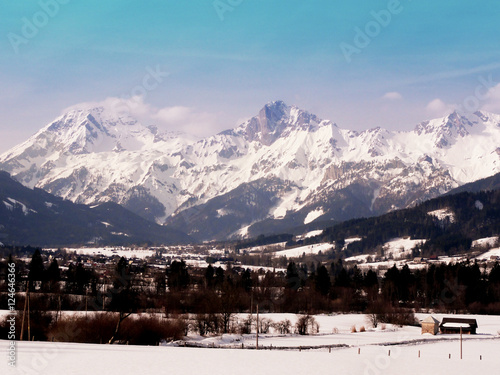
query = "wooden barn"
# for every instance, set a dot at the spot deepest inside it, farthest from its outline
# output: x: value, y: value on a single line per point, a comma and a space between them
x: 453, y: 325
x: 430, y: 325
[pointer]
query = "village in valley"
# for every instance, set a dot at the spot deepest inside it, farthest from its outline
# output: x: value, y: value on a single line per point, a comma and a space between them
x: 267, y: 305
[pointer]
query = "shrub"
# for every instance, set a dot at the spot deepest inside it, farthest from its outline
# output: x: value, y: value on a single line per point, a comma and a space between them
x: 373, y: 319
x: 353, y: 329
x: 100, y: 327
x: 283, y: 327
x: 400, y: 317
x: 264, y: 325
x: 207, y: 324
x: 40, y: 322
x: 245, y: 327
x: 151, y: 330
x: 95, y: 328
x: 306, y: 325
x: 380, y: 312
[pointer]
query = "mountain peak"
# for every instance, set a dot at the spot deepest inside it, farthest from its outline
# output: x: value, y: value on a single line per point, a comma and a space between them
x: 446, y: 130
x: 272, y: 115
x: 83, y: 130
x: 274, y: 119
x: 277, y: 107
x: 98, y: 114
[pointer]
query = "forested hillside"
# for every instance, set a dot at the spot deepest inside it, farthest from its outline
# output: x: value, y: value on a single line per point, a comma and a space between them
x: 448, y: 223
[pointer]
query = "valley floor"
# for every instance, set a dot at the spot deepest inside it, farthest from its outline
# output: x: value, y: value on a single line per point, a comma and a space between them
x: 365, y: 353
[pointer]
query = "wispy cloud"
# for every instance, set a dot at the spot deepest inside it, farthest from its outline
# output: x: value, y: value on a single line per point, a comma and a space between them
x: 438, y: 108
x: 393, y: 95
x: 492, y: 99
x: 241, y: 56
x: 187, y: 119
x: 172, y: 118
x: 456, y: 73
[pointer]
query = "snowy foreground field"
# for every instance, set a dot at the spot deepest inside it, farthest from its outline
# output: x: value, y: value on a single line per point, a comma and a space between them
x: 389, y: 351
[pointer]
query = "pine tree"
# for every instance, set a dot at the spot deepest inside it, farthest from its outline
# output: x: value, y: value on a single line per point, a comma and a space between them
x: 219, y: 277
x: 292, y: 277
x: 36, y: 270
x: 371, y: 285
x: 209, y: 276
x: 322, y: 281
x: 124, y: 298
x: 178, y: 276
x: 53, y: 276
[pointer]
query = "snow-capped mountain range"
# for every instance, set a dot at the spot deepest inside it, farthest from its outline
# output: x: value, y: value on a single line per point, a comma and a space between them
x: 283, y: 168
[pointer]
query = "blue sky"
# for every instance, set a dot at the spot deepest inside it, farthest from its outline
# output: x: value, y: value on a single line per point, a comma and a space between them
x: 218, y: 62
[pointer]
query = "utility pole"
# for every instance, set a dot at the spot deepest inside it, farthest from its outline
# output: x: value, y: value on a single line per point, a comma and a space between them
x: 251, y: 303
x: 257, y: 335
x: 59, y: 314
x: 24, y: 311
x: 460, y: 342
x: 29, y: 324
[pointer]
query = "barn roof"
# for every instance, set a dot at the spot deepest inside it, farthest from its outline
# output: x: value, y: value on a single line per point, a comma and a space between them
x: 471, y: 322
x: 430, y: 319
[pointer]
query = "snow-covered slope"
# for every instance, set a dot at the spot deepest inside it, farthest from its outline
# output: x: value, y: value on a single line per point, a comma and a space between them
x: 37, y: 218
x: 284, y: 167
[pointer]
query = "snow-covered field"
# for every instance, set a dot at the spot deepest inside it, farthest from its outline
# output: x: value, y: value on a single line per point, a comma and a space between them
x: 371, y: 352
x: 397, y: 248
x: 307, y: 250
x: 337, y: 330
x: 488, y: 241
x: 111, y: 251
x: 55, y: 359
x: 495, y: 253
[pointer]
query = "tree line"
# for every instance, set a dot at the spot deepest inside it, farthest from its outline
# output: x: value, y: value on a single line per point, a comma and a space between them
x: 213, y: 295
